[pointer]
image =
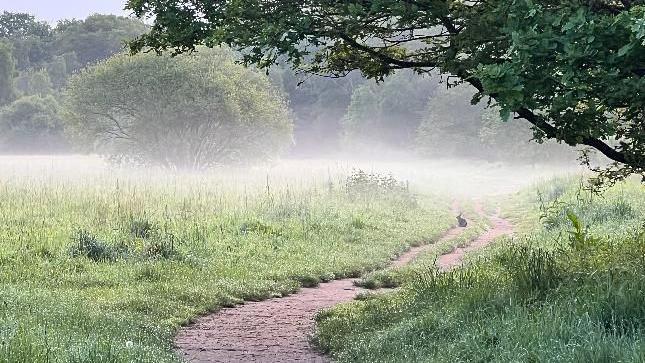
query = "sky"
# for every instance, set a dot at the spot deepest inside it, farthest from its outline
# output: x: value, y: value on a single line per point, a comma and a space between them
x: 54, y: 10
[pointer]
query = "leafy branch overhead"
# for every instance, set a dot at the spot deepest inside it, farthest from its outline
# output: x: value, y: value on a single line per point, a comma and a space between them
x: 572, y: 68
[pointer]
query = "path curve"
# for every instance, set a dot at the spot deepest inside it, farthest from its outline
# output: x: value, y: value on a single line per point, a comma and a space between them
x: 499, y: 227
x: 278, y: 329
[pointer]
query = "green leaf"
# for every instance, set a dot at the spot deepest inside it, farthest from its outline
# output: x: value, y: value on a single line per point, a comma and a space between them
x: 625, y: 49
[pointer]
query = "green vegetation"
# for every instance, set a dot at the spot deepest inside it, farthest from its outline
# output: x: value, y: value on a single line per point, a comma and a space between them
x: 393, y: 277
x: 104, y: 266
x: 6, y: 74
x: 478, y: 132
x: 571, y: 290
x: 387, y: 114
x: 405, y: 113
x: 36, y: 62
x: 32, y: 124
x: 190, y: 111
x: 573, y: 69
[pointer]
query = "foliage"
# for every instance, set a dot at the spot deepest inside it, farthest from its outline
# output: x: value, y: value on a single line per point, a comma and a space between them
x: 541, y: 297
x: 318, y: 105
x: 360, y: 183
x: 17, y: 25
x: 7, y: 91
x: 388, y: 113
x: 452, y: 127
x: 86, y: 244
x: 369, y: 186
x: 573, y: 69
x: 69, y: 46
x: 195, y: 258
x: 32, y: 124
x: 95, y: 38
x: 37, y: 60
x: 30, y: 38
x: 192, y: 111
x: 511, y: 140
x: 32, y: 83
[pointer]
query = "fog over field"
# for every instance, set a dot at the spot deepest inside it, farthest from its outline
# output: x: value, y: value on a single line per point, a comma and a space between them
x: 346, y: 181
x: 457, y: 178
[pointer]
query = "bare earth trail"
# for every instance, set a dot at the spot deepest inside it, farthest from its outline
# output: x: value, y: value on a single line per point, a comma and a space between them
x: 499, y: 227
x: 278, y: 330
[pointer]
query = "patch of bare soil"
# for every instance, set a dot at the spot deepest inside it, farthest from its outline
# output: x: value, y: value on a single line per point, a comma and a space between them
x: 278, y: 330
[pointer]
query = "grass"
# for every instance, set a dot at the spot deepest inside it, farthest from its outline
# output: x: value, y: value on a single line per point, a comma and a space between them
x: 104, y: 266
x: 570, y: 288
x: 393, y: 277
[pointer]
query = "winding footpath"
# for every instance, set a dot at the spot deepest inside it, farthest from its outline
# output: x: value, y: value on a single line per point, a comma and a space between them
x: 278, y: 330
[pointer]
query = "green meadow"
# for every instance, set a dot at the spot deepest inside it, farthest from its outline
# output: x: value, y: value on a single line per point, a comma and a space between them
x: 101, y: 265
x: 569, y: 287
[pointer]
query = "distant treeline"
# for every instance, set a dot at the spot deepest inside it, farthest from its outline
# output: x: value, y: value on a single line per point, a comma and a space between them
x: 405, y: 112
x: 36, y: 61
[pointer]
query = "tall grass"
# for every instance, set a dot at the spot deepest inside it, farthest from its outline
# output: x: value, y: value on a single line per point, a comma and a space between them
x: 572, y: 290
x: 104, y: 265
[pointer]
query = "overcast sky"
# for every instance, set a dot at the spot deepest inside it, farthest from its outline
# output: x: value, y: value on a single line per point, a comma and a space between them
x: 54, y: 10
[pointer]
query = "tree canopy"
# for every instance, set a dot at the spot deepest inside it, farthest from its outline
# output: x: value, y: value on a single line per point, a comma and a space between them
x: 95, y: 38
x: 68, y: 46
x: 318, y: 105
x: 191, y: 111
x: 7, y: 91
x: 37, y: 59
x: 18, y: 25
x: 32, y: 124
x: 453, y: 127
x: 388, y: 114
x: 572, y: 68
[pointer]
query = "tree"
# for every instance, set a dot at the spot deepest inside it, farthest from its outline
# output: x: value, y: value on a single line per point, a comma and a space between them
x: 191, y: 111
x: 7, y: 70
x: 318, y: 105
x: 30, y: 38
x: 34, y: 83
x: 20, y: 25
x: 451, y: 125
x: 509, y: 140
x: 389, y: 113
x: 96, y: 38
x: 32, y: 124
x: 572, y: 68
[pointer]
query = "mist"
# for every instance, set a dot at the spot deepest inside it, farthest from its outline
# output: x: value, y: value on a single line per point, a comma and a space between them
x: 170, y: 123
x: 69, y: 109
x: 226, y: 205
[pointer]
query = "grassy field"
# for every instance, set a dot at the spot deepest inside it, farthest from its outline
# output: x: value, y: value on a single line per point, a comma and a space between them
x: 393, y: 277
x: 102, y: 265
x: 569, y: 288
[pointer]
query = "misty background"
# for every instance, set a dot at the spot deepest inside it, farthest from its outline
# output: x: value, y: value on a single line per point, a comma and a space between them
x: 54, y: 59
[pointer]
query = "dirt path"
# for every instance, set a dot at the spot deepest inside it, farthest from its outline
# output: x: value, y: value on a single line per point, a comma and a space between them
x: 499, y: 227
x: 278, y: 330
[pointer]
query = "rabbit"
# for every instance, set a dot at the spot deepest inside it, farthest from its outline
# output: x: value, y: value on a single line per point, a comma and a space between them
x: 461, y: 220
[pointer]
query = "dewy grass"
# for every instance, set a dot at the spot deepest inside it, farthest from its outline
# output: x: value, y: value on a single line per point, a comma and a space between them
x: 561, y: 293
x: 393, y: 277
x: 104, y: 267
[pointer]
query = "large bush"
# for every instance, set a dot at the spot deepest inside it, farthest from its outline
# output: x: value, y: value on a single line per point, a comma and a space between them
x: 191, y: 111
x: 32, y: 124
